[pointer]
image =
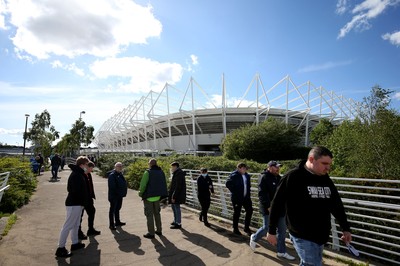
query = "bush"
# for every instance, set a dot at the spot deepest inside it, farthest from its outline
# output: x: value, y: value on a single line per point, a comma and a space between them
x: 22, y: 184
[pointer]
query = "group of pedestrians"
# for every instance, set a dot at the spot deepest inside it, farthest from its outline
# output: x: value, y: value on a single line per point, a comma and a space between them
x: 302, y: 201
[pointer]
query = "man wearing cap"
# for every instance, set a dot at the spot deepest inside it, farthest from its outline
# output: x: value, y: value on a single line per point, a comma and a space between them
x: 267, y: 184
x: 239, y: 184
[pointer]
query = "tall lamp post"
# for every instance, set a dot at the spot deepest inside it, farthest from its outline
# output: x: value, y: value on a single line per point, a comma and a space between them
x: 26, y: 126
x: 80, y: 115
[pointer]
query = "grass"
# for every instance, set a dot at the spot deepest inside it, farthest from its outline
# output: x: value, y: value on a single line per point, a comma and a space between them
x: 11, y: 221
x: 350, y: 262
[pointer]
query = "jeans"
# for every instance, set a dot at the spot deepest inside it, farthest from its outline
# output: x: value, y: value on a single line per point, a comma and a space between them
x: 115, y: 206
x: 90, y: 211
x: 176, y: 208
x: 310, y: 253
x: 262, y: 231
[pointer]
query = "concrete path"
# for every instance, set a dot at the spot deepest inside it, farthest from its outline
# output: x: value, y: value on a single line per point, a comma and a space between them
x: 33, y: 239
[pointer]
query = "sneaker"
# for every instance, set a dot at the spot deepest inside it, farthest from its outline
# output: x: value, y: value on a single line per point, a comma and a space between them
x: 248, y: 231
x: 77, y: 246
x: 63, y: 253
x: 252, y: 243
x: 237, y: 232
x: 93, y: 232
x: 176, y: 226
x: 285, y: 256
x: 207, y: 224
x: 81, y: 236
x: 120, y: 224
x: 149, y: 236
x: 173, y: 223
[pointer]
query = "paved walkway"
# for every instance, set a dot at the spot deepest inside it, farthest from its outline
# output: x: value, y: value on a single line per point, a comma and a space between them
x: 33, y: 239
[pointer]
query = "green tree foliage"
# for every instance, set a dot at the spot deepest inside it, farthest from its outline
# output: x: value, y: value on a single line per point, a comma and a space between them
x: 79, y: 134
x: 22, y: 184
x: 379, y: 100
x: 320, y: 134
x: 270, y: 140
x: 42, y: 133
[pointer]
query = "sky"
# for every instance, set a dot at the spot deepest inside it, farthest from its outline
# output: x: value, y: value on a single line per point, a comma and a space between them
x: 99, y: 56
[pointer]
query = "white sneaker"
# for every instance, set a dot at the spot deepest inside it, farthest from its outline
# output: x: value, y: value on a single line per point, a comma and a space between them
x: 252, y: 243
x: 285, y: 256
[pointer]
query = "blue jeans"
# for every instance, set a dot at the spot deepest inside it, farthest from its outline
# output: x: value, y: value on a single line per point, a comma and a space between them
x: 310, y: 253
x: 262, y: 231
x: 176, y: 208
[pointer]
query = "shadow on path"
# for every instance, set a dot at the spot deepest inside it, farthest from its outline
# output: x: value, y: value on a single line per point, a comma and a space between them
x: 90, y: 255
x: 128, y: 242
x: 206, y: 243
x: 168, y: 250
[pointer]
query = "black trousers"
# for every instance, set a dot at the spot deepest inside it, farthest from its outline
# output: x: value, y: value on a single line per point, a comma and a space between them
x: 205, y: 205
x: 237, y: 208
x: 113, y: 214
x: 90, y: 211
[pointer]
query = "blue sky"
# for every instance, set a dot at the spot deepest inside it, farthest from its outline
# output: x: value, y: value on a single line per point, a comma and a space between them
x: 100, y: 56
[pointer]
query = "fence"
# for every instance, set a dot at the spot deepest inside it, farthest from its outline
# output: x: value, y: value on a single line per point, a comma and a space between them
x: 3, y: 183
x: 372, y: 207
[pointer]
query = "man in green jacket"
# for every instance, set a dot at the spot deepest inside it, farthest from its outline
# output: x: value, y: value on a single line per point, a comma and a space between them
x: 153, y: 188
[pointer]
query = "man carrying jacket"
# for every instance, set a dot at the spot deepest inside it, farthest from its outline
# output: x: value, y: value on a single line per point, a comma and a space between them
x: 309, y: 197
x: 153, y: 187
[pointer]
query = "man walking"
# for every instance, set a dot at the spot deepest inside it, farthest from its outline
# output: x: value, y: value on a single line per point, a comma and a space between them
x: 238, y: 184
x: 177, y: 194
x: 267, y: 184
x: 309, y: 197
x: 117, y: 190
x: 55, y: 164
x: 153, y: 187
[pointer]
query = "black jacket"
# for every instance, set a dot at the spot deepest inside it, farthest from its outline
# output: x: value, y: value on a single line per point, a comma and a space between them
x: 309, y: 200
x: 177, y: 188
x: 236, y: 186
x: 204, y: 186
x: 77, y: 188
x: 117, y: 186
x: 267, y: 184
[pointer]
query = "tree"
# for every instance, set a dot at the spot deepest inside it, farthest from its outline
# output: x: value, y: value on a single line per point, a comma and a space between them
x: 378, y: 100
x: 78, y: 134
x: 42, y: 133
x: 270, y: 140
x: 321, y: 132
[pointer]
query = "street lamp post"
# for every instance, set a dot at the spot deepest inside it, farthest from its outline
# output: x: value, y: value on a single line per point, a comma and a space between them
x: 80, y: 115
x: 26, y: 126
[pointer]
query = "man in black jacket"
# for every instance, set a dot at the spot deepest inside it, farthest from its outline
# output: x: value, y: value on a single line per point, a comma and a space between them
x: 239, y: 184
x: 267, y: 184
x: 177, y: 194
x: 117, y: 190
x: 77, y: 198
x: 153, y: 187
x: 309, y: 197
x: 204, y: 189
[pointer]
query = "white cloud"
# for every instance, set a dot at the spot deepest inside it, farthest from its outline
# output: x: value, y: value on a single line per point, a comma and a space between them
x: 216, y: 101
x: 396, y: 96
x: 363, y: 13
x: 72, y: 28
x: 70, y: 67
x: 142, y: 74
x: 195, y: 59
x: 393, y: 38
x: 341, y: 7
x: 4, y: 131
x: 324, y: 66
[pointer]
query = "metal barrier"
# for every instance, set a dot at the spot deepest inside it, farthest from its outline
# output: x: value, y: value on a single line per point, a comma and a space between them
x: 3, y: 183
x: 372, y: 207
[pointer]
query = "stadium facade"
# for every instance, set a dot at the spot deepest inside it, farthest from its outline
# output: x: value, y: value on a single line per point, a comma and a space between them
x: 190, y: 121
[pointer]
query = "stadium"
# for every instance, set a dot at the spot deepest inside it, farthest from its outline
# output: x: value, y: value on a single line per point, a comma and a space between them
x: 191, y: 121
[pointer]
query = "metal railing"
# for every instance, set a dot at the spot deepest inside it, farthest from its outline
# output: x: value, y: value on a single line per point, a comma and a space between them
x: 372, y: 207
x: 3, y: 183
